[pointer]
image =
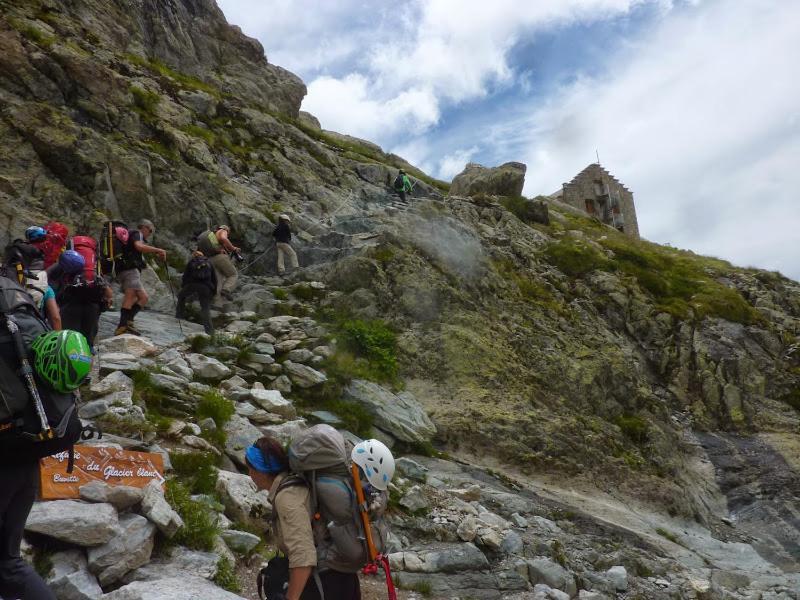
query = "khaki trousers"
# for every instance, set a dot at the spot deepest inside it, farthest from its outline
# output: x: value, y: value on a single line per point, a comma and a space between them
x: 283, y: 251
x: 226, y: 273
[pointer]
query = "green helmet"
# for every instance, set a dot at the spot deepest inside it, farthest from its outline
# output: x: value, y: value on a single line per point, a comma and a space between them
x: 62, y: 358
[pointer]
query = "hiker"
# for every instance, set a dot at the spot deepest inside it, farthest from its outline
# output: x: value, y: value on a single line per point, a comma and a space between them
x: 218, y: 248
x: 129, y: 278
x: 61, y: 361
x: 283, y: 238
x: 200, y: 280
x: 82, y: 293
x: 268, y: 466
x: 402, y: 185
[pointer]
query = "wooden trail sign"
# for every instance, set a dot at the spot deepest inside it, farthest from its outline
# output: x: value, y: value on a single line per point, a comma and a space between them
x: 96, y: 463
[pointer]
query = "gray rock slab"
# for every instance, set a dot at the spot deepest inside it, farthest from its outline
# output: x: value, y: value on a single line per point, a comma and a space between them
x: 69, y: 577
x: 130, y: 548
x: 113, y: 382
x: 399, y: 414
x: 179, y: 562
x: 411, y: 469
x: 158, y: 510
x: 173, y: 588
x: 302, y: 375
x: 240, y: 433
x: 243, y: 501
x: 129, y: 344
x: 162, y: 329
x: 207, y: 367
x: 274, y: 402
x: 240, y: 541
x: 122, y: 497
x: 78, y: 523
x: 544, y: 570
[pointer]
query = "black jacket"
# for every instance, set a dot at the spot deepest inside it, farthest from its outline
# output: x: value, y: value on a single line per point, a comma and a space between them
x: 282, y: 233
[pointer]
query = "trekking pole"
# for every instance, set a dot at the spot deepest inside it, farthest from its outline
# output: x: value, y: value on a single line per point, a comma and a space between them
x: 174, y: 299
x: 46, y: 432
x: 374, y: 557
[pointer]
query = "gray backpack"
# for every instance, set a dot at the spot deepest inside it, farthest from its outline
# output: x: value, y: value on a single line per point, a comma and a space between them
x: 208, y: 243
x: 319, y: 458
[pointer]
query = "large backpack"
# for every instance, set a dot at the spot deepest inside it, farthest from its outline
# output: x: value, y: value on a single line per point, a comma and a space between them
x: 319, y: 459
x: 114, y: 247
x: 53, y: 243
x: 21, y: 431
x: 208, y: 243
x: 399, y: 184
x: 200, y: 270
x: 27, y: 262
x: 89, y: 285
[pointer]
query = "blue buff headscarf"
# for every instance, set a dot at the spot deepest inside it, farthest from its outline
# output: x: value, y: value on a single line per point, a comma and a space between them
x: 269, y: 465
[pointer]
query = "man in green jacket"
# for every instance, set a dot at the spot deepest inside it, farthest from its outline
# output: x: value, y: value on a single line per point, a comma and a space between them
x: 402, y: 185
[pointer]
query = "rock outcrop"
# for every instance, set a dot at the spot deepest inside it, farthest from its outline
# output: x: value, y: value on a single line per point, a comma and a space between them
x: 505, y: 180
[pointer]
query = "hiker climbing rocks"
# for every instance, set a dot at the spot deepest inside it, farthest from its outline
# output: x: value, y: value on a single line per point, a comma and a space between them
x: 319, y: 470
x: 219, y: 249
x: 82, y: 292
x: 129, y: 278
x: 200, y: 281
x: 283, y: 239
x: 402, y: 185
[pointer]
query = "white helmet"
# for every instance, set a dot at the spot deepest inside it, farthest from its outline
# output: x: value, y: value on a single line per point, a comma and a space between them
x: 376, y: 461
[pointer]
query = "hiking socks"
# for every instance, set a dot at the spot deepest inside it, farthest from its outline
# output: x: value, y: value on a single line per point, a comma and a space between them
x: 124, y: 316
x: 135, y: 310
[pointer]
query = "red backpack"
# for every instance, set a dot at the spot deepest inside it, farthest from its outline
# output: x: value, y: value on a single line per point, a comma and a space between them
x: 53, y: 244
x: 87, y: 247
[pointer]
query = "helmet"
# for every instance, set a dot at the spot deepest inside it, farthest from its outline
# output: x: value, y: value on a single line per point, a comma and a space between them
x: 285, y: 217
x: 71, y: 262
x: 376, y: 461
x: 34, y: 233
x: 62, y: 358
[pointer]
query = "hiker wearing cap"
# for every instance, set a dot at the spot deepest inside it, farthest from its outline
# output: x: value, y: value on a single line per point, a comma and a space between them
x: 402, y: 185
x: 129, y: 278
x: 200, y: 281
x: 283, y: 239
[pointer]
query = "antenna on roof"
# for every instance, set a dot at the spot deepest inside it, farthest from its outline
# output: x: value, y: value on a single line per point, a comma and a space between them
x: 598, y: 156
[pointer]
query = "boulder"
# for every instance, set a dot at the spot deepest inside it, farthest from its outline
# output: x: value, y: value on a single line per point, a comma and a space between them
x: 505, y: 180
x: 113, y: 382
x: 286, y: 431
x: 240, y: 541
x: 93, y: 409
x: 467, y: 529
x: 130, y: 548
x: 179, y: 562
x: 129, y: 344
x: 77, y: 523
x: 411, y: 469
x: 188, y: 587
x: 243, y: 502
x: 303, y: 376
x: 399, y: 414
x: 240, y: 433
x: 282, y: 383
x: 449, y: 558
x: 618, y: 576
x: 207, y: 367
x: 158, y: 511
x: 544, y: 570
x: 274, y: 402
x: 300, y: 355
x: 414, y: 499
x: 70, y: 578
x: 121, y: 497
x: 122, y: 398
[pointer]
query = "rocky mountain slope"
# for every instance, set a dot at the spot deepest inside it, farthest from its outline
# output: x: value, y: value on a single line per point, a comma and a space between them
x: 643, y: 400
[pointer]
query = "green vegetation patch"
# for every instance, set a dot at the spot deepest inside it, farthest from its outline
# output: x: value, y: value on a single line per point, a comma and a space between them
x: 226, y: 576
x: 793, y: 399
x: 145, y: 100
x: 196, y: 470
x: 667, y: 535
x: 216, y: 406
x: 574, y: 257
x: 374, y: 342
x: 199, y: 521
x: 634, y: 427
x: 157, y: 67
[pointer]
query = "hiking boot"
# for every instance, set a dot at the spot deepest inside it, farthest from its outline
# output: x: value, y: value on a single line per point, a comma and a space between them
x: 121, y: 329
x: 132, y: 330
x: 227, y: 295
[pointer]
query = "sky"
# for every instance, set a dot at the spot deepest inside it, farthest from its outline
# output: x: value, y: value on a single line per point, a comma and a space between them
x: 693, y: 104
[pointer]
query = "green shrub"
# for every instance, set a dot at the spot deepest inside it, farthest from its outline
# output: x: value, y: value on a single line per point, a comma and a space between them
x: 196, y: 470
x: 421, y: 587
x: 303, y: 291
x: 793, y: 399
x: 634, y: 427
x: 124, y: 426
x: 354, y: 417
x: 199, y: 521
x: 668, y: 535
x: 145, y: 100
x: 226, y: 576
x: 280, y: 294
x: 373, y: 341
x: 199, y: 343
x: 202, y: 133
x: 155, y: 66
x: 516, y: 205
x: 574, y: 257
x: 37, y: 36
x: 146, y: 393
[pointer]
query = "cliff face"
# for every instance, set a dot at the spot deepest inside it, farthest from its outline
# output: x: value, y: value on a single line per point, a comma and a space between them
x: 565, y: 349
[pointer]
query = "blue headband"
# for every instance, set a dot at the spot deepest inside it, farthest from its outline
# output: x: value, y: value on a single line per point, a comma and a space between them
x: 255, y: 459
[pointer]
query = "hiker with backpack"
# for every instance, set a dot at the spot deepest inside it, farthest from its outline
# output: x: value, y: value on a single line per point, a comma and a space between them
x: 402, y: 185
x: 219, y: 249
x: 81, y: 292
x: 200, y: 281
x: 283, y: 238
x: 38, y: 418
x: 325, y: 535
x: 128, y: 274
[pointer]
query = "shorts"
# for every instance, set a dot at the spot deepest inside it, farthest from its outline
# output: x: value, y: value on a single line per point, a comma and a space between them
x: 130, y: 279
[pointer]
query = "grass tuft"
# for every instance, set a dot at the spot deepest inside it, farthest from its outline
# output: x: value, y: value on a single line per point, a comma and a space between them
x: 196, y: 470
x: 199, y: 522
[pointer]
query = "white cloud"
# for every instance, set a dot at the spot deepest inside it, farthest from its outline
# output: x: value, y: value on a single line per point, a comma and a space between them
x: 702, y: 120
x: 452, y: 164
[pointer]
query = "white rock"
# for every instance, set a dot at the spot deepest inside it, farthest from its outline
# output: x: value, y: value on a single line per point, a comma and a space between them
x: 122, y: 398
x: 233, y: 382
x: 158, y: 510
x: 489, y: 537
x: 207, y: 367
x: 77, y: 523
x: 130, y: 548
x: 173, y: 588
x: 70, y: 577
x: 128, y: 344
x: 302, y: 375
x: 239, y: 326
x: 286, y: 431
x: 282, y: 383
x: 240, y: 541
x: 519, y: 520
x: 113, y: 382
x: 122, y: 497
x: 618, y: 576
x: 243, y: 501
x: 414, y: 499
x: 199, y: 443
x: 274, y: 402
x: 300, y: 355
